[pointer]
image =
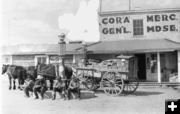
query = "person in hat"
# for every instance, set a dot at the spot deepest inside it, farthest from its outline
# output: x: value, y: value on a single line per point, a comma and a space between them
x: 59, y: 86
x: 74, y: 87
x: 28, y: 87
x: 40, y: 86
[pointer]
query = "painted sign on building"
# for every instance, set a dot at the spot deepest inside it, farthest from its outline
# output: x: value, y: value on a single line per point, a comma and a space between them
x: 148, y: 24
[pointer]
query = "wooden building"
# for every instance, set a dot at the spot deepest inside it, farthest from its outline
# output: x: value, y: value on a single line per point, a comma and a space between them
x: 31, y: 54
x: 153, y: 36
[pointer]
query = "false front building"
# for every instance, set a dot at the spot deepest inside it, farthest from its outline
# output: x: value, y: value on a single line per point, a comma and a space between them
x: 150, y: 35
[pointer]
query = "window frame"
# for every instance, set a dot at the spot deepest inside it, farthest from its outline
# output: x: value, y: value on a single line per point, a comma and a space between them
x: 41, y: 59
x: 138, y: 27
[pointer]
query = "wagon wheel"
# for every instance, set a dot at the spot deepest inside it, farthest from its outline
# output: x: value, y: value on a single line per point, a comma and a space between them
x: 130, y: 85
x: 96, y: 84
x: 112, y: 84
x: 86, y: 81
x: 89, y: 84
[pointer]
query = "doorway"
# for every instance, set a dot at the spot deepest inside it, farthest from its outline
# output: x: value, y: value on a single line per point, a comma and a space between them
x: 141, y: 66
x: 40, y: 60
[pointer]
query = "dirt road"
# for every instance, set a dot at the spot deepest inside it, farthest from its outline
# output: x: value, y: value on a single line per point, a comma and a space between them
x: 144, y: 101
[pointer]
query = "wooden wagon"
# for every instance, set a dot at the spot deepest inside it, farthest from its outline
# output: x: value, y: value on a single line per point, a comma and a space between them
x: 114, y: 76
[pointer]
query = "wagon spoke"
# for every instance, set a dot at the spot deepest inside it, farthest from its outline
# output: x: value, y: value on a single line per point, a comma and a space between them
x: 130, y: 89
x: 131, y: 85
x: 118, y: 82
x: 111, y: 83
x: 117, y: 90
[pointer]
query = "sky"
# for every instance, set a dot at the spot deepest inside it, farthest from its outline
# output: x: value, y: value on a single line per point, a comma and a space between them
x: 41, y: 21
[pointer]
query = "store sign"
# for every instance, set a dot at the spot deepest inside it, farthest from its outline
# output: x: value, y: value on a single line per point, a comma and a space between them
x: 115, y: 25
x: 147, y: 24
x: 159, y: 27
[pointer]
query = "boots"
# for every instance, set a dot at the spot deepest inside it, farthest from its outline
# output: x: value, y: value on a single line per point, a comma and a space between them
x: 54, y: 96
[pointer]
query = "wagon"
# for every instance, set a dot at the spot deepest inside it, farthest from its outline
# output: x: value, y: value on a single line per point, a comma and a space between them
x: 113, y: 76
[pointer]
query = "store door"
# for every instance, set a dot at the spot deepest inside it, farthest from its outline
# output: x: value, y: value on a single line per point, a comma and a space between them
x: 141, y: 66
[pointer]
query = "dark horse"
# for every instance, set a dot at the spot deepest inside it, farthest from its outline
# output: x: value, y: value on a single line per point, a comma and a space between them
x: 14, y: 72
x: 31, y: 72
x: 51, y: 72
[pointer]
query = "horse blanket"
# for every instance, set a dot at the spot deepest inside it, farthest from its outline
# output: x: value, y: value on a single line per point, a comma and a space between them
x: 48, y: 71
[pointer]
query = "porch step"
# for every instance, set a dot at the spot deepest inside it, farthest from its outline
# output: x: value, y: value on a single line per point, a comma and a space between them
x: 155, y: 84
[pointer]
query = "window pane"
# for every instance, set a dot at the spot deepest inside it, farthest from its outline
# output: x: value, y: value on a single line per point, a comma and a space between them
x: 138, y: 27
x: 43, y: 60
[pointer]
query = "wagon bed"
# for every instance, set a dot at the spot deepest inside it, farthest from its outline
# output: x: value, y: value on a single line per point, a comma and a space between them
x: 115, y: 79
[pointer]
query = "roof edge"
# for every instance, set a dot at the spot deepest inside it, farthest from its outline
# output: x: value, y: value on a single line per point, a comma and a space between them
x: 89, y: 45
x: 140, y: 11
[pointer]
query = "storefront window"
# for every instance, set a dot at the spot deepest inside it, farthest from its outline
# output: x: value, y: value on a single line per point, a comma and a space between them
x: 153, y: 63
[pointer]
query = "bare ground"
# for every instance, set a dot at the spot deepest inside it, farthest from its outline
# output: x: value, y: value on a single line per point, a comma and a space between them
x: 143, y: 101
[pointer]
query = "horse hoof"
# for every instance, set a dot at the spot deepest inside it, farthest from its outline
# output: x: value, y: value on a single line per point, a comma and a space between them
x: 14, y: 88
x: 9, y: 88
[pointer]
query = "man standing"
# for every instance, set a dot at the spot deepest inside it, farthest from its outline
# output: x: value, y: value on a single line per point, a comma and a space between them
x: 40, y: 86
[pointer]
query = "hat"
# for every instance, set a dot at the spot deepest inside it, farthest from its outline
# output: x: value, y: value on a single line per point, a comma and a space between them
x: 39, y: 77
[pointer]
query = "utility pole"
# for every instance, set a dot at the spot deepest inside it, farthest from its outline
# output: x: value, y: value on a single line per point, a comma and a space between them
x: 129, y: 5
x: 62, y: 45
x: 62, y: 53
x: 84, y: 52
x: 100, y: 5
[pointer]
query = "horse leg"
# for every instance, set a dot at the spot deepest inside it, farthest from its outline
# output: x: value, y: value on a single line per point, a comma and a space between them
x: 68, y: 93
x: 10, y: 83
x: 51, y: 84
x: 20, y: 82
x: 14, y: 84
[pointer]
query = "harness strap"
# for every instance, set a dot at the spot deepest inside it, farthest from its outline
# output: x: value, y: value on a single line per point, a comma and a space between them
x: 11, y: 70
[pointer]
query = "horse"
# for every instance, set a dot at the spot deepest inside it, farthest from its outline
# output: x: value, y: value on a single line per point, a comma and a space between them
x: 31, y: 72
x: 51, y: 72
x: 63, y: 77
x: 14, y: 72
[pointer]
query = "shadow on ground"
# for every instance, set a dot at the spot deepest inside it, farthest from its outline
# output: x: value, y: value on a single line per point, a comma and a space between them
x: 146, y: 93
x: 84, y: 95
x: 136, y: 93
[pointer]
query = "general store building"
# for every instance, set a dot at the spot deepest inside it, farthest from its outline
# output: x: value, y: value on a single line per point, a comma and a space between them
x: 151, y: 35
